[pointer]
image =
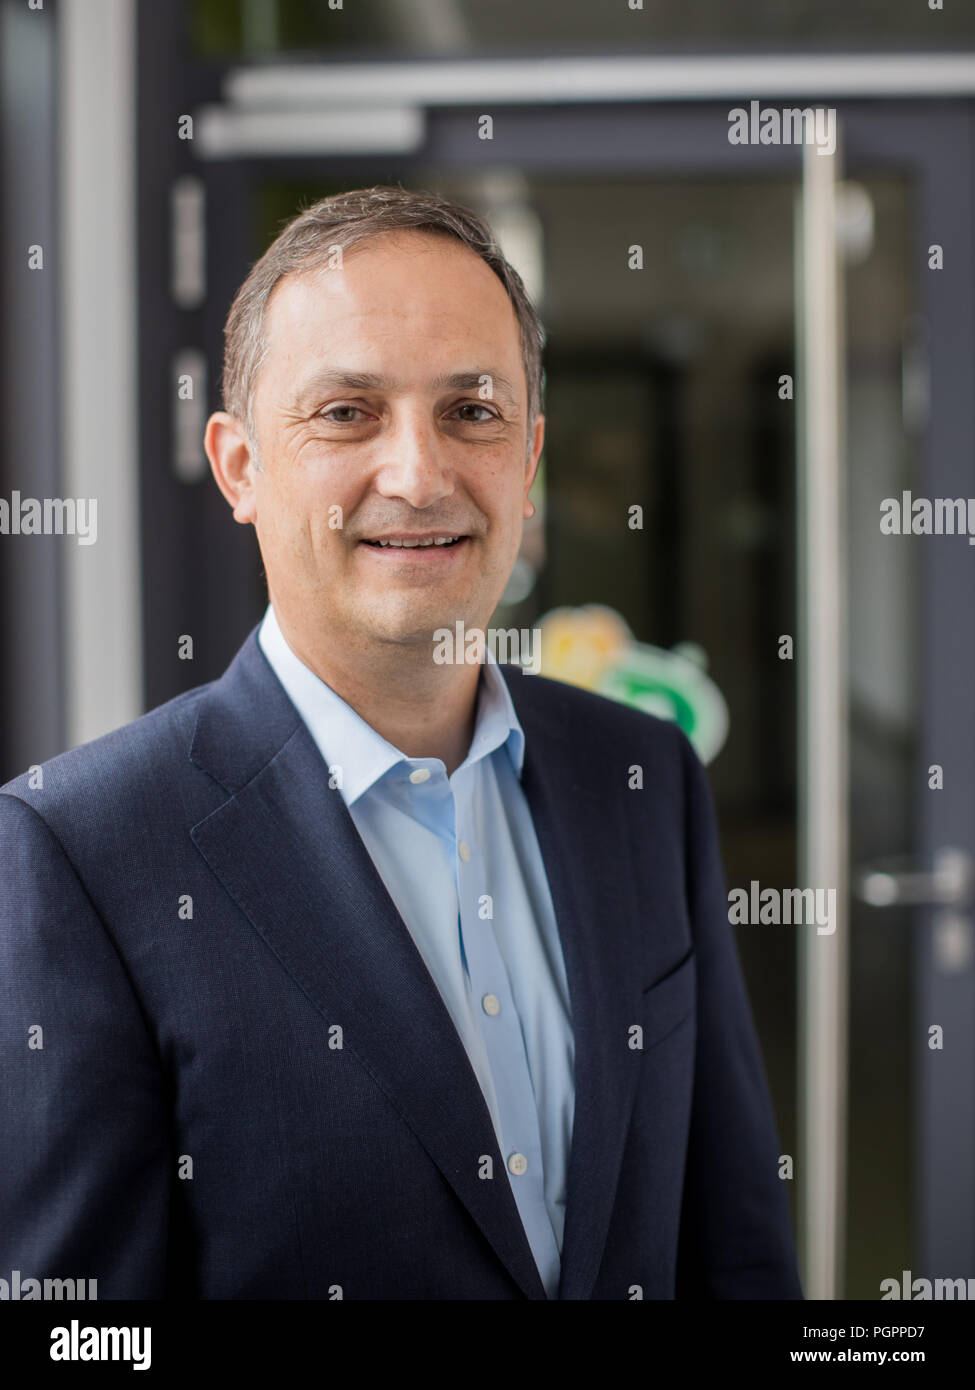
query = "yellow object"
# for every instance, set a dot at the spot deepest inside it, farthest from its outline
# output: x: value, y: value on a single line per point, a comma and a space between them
x: 579, y: 644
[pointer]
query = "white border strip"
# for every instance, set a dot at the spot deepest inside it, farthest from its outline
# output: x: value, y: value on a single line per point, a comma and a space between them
x: 102, y: 598
x: 535, y: 81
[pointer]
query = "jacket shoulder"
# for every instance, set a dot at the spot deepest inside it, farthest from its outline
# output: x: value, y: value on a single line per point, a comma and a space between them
x: 597, y: 717
x: 133, y: 767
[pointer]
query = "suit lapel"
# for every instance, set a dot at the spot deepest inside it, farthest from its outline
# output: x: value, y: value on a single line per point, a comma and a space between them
x: 287, y: 851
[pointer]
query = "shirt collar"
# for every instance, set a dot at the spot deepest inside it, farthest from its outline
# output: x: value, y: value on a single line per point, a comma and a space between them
x: 344, y: 738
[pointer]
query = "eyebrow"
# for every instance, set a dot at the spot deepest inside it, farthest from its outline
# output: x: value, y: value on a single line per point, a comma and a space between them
x: 371, y: 381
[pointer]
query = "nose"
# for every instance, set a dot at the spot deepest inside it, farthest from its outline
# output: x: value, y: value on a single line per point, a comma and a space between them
x: 415, y: 465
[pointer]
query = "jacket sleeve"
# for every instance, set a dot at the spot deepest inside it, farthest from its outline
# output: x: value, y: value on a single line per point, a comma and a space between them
x: 736, y: 1239
x: 85, y: 1160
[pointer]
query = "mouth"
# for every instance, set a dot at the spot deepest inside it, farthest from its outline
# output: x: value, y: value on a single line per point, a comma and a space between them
x: 416, y: 547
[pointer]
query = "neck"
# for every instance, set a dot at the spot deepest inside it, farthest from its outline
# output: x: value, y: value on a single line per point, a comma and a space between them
x: 423, y: 709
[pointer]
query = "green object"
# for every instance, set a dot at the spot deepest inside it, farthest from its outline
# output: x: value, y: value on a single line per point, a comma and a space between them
x: 672, y: 685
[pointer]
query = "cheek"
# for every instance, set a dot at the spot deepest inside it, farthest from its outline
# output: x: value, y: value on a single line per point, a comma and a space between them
x: 320, y: 499
x: 283, y: 530
x: 500, y: 492
x: 309, y: 516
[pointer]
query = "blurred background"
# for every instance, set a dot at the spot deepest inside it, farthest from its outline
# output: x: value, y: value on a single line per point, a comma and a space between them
x: 152, y: 151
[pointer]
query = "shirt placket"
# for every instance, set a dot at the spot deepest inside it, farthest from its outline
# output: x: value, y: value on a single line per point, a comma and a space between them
x: 492, y: 1006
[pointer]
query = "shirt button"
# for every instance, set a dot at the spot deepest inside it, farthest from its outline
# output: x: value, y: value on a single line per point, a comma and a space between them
x: 491, y: 1004
x: 421, y: 774
x: 517, y: 1163
x: 464, y: 850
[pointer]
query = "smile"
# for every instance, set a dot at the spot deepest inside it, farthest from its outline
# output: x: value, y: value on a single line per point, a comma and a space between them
x: 421, y: 543
x: 416, y: 552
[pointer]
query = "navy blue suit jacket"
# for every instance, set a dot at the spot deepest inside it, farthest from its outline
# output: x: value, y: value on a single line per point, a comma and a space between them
x: 190, y: 1127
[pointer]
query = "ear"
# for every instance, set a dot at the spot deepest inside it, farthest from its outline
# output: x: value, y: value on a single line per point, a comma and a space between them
x: 232, y: 464
x: 538, y: 439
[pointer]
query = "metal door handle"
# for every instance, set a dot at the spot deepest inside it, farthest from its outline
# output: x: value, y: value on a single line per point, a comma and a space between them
x: 947, y: 884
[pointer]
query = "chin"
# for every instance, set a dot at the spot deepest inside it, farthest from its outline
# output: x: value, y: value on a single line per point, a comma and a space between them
x: 408, y: 633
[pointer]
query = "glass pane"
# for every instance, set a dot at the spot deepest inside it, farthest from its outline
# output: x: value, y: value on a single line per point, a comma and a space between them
x: 883, y: 660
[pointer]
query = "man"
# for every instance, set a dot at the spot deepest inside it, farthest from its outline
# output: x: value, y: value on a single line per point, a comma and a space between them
x: 358, y: 973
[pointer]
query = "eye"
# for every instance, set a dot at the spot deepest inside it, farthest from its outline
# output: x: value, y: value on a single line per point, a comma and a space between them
x: 476, y: 405
x: 331, y: 411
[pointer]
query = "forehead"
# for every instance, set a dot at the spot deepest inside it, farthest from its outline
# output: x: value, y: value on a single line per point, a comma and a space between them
x: 395, y: 298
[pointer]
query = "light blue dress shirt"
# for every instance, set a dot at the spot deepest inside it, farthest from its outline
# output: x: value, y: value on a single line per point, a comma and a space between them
x: 460, y: 859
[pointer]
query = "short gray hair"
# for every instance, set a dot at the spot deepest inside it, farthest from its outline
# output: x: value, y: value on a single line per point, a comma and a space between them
x: 308, y: 242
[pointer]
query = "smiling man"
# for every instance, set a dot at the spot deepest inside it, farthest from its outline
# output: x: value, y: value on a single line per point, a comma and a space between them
x: 356, y: 974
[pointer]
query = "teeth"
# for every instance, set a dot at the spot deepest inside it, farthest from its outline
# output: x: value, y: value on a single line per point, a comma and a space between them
x: 415, y: 545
